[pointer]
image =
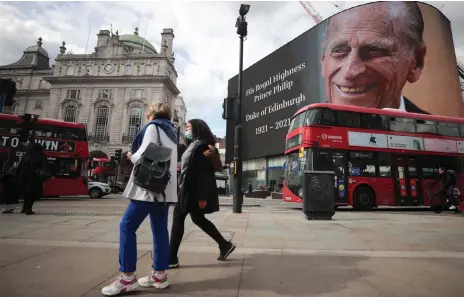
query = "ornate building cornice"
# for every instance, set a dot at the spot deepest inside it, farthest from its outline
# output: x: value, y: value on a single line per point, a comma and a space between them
x: 21, y: 92
x: 90, y: 79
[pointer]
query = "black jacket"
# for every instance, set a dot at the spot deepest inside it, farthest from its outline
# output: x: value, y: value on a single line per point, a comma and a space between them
x: 31, y: 174
x: 199, y: 184
x: 449, y: 177
x: 411, y: 107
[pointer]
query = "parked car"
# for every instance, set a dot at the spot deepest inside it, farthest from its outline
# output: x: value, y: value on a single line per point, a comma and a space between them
x: 98, y: 189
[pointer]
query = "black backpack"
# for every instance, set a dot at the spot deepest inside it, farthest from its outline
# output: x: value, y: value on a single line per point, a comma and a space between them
x: 152, y: 170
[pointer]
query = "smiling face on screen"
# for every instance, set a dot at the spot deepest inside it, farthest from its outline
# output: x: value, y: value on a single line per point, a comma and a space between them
x: 368, y: 57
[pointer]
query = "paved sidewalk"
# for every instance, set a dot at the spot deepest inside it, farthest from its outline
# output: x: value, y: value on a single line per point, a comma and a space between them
x: 279, y: 254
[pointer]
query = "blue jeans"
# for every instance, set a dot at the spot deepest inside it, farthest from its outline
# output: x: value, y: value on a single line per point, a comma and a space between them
x: 135, y: 214
x: 451, y: 191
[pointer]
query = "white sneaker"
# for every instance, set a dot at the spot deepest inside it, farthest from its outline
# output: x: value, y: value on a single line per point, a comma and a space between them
x: 452, y: 207
x: 154, y: 281
x: 120, y: 285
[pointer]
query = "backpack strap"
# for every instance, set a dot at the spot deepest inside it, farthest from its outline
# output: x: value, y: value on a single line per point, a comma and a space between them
x: 158, y: 134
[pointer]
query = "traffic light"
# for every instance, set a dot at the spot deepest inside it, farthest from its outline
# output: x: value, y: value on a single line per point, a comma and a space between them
x: 118, y: 154
x: 228, y: 108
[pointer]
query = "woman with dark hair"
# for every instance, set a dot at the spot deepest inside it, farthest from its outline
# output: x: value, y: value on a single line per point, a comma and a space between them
x: 197, y: 190
x: 30, y: 176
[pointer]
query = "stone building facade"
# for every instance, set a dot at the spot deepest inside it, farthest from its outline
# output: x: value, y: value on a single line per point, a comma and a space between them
x: 109, y: 89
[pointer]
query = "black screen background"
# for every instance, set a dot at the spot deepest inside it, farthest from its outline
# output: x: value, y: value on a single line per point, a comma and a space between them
x: 306, y: 49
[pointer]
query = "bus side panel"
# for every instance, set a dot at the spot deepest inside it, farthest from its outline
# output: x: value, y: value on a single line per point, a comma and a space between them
x: 65, y: 187
x: 383, y: 189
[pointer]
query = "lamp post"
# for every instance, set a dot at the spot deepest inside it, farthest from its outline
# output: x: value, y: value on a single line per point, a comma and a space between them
x: 242, y: 31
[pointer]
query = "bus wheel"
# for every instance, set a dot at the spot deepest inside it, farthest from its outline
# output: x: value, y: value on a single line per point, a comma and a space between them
x: 95, y: 193
x: 364, y: 198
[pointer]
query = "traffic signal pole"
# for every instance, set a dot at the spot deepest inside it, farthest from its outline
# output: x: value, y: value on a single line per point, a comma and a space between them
x: 241, y: 25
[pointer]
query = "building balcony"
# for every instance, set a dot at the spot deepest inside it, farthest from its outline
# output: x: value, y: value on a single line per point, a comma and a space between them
x: 100, y: 138
x: 128, y: 138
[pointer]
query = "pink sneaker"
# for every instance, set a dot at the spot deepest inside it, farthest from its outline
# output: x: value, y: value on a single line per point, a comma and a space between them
x: 120, y: 285
x: 153, y: 280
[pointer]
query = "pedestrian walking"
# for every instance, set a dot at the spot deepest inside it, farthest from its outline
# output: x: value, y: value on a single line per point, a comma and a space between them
x: 143, y: 203
x: 8, y: 191
x: 31, y: 175
x: 197, y: 190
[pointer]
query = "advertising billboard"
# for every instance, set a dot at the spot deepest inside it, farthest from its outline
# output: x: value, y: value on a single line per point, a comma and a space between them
x: 380, y: 55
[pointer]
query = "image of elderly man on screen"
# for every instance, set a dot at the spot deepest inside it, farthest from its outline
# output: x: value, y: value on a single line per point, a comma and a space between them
x: 370, y: 52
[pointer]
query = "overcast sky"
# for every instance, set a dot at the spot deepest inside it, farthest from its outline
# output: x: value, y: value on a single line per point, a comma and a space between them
x: 206, y: 44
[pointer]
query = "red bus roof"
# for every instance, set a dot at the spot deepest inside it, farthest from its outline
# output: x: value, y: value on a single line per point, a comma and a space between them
x: 385, y: 112
x: 43, y: 121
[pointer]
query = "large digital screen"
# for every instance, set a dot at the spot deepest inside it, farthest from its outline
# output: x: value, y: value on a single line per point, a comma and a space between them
x: 380, y: 55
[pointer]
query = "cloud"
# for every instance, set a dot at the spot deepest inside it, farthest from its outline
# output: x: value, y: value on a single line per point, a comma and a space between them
x: 206, y: 44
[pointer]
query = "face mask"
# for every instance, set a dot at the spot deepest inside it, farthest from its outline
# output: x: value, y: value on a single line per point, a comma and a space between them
x: 188, y: 135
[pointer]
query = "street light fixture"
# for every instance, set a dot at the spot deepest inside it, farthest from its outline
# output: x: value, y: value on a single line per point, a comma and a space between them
x: 242, y: 30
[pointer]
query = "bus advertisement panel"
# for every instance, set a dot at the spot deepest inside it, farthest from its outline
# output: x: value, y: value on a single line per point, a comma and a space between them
x: 396, y: 54
x: 66, y: 148
x: 380, y: 157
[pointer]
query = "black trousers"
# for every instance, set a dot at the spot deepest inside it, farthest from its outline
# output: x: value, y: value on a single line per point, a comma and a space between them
x: 28, y: 202
x: 198, y: 218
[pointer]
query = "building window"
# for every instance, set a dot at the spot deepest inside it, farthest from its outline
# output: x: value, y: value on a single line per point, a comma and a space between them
x: 101, y: 123
x: 105, y: 94
x: 88, y: 69
x: 138, y: 93
x: 38, y: 104
x: 135, y: 120
x: 69, y: 70
x: 128, y: 70
x: 70, y: 114
x: 148, y: 69
x: 73, y: 94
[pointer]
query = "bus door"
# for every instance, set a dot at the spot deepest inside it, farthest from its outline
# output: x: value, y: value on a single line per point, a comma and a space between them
x: 327, y: 160
x: 407, y: 184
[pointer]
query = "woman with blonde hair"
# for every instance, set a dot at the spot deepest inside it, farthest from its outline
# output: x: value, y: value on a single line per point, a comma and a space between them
x: 144, y: 203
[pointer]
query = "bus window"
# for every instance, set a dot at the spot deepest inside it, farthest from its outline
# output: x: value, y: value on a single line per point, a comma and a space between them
x: 361, y: 164
x: 348, y: 119
x: 384, y: 165
x: 447, y: 129
x: 373, y: 121
x: 328, y: 117
x: 313, y: 117
x: 462, y: 130
x: 426, y: 126
x: 402, y: 125
x: 297, y: 121
x: 63, y: 167
x: 330, y: 161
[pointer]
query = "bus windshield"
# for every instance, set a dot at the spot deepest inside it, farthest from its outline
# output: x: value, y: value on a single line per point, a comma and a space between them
x: 295, y: 168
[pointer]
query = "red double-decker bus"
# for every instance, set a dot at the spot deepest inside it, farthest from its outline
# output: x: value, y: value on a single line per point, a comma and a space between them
x: 102, y: 169
x: 380, y: 157
x: 66, y: 148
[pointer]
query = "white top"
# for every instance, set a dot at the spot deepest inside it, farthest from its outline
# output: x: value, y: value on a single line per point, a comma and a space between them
x: 402, y: 105
x: 133, y: 191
